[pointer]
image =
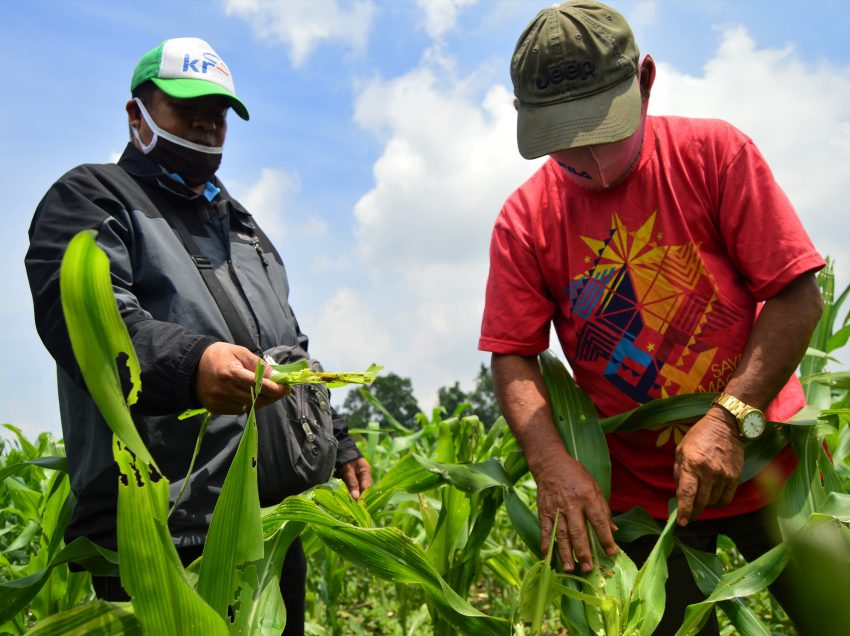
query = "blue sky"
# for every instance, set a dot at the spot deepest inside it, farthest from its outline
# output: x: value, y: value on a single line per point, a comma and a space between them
x: 381, y: 146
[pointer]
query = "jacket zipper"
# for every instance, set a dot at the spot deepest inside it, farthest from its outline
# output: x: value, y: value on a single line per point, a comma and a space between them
x: 255, y: 243
x: 305, y: 423
x: 233, y: 277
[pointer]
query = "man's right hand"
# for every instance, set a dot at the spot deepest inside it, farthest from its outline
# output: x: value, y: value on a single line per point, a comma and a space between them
x: 565, y: 486
x: 225, y: 377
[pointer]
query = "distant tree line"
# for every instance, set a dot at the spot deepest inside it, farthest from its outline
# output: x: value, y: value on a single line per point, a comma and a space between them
x: 396, y: 394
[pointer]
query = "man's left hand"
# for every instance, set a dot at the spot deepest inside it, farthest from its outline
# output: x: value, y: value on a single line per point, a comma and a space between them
x: 709, y: 462
x: 357, y: 475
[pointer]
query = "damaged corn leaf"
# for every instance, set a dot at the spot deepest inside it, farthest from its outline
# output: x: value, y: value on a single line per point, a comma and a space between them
x: 301, y: 373
x: 163, y: 599
x: 99, y: 336
x: 331, y: 379
x: 235, y: 537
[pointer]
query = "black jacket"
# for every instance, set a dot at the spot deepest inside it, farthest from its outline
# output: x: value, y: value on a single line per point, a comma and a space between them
x: 171, y: 317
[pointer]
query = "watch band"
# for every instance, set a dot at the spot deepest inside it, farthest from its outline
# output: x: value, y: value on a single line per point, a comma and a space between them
x: 732, y: 404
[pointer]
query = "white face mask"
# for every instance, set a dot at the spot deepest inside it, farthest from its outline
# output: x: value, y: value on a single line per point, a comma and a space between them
x: 601, y: 166
x: 195, y: 163
x: 159, y: 132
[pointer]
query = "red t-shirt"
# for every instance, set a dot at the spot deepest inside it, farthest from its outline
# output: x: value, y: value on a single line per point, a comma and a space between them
x: 652, y: 286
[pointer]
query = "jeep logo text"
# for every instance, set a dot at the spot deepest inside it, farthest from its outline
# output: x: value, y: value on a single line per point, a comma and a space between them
x: 567, y: 71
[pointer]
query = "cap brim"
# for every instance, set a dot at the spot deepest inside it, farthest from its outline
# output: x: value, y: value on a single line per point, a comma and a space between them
x: 602, y: 118
x: 191, y: 88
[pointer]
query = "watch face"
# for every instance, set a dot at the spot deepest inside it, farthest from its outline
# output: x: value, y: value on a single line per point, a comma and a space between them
x: 752, y: 425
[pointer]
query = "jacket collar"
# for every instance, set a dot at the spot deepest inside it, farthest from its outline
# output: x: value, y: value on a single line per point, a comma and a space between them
x: 146, y: 169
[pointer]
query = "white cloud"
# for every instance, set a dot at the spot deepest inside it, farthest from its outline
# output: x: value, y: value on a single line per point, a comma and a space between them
x: 423, y: 230
x: 268, y: 199
x: 642, y: 15
x: 450, y: 159
x: 798, y: 113
x: 441, y: 15
x: 303, y: 25
x: 352, y: 331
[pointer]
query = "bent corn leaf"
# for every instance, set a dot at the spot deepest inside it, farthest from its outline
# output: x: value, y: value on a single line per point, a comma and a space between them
x: 151, y: 572
x: 708, y: 570
x: 745, y: 581
x: 98, y: 618
x: 389, y: 554
x: 99, y: 336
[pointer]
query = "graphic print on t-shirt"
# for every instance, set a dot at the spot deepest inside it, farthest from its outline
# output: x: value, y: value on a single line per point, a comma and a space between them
x: 643, y: 311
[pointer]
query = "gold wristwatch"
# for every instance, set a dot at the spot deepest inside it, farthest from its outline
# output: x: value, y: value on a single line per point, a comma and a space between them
x: 750, y: 419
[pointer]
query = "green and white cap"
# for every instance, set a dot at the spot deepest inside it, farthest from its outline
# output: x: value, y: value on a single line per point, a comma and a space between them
x: 574, y: 71
x: 185, y: 68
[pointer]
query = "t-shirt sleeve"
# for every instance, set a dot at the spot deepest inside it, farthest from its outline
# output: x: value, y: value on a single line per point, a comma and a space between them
x: 517, y: 307
x: 763, y: 234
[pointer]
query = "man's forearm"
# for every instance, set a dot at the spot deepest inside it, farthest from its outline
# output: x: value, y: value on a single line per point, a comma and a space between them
x: 565, y: 490
x: 521, y: 393
x: 778, y: 342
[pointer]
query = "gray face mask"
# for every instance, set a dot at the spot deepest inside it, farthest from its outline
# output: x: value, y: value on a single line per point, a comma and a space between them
x: 195, y: 163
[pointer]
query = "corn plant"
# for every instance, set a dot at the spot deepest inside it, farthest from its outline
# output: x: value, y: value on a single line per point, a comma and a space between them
x: 449, y: 514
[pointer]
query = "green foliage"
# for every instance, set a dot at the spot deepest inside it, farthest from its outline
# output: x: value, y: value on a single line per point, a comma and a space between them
x: 394, y: 392
x: 447, y: 538
x: 481, y: 400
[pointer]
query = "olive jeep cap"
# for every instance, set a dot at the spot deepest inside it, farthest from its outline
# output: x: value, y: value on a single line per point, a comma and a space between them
x: 185, y: 68
x: 574, y: 71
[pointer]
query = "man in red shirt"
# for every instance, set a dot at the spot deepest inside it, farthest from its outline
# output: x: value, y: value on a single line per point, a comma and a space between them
x: 648, y: 242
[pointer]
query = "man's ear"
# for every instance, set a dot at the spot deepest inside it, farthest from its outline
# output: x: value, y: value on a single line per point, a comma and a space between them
x: 516, y: 104
x: 134, y: 114
x: 646, y: 76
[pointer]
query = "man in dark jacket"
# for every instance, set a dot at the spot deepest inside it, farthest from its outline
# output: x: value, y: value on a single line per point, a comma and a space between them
x: 181, y: 92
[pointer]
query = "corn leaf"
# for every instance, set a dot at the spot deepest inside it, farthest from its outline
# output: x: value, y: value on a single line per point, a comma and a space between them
x: 744, y: 581
x: 59, y: 504
x: 634, y: 524
x: 690, y: 406
x: 390, y: 419
x: 525, y: 522
x: 837, y: 505
x: 262, y: 611
x: 338, y: 502
x: 646, y: 604
x: 803, y: 492
x: 542, y: 585
x: 408, y: 475
x: 92, y: 619
x: 707, y: 570
x: 758, y: 453
x: 235, y: 537
x: 575, y: 418
x: 99, y: 336
x: 613, y: 578
x: 450, y: 530
x: 151, y: 571
x: 52, y: 463
x: 469, y: 478
x: 389, y: 554
x: 16, y: 594
x: 331, y: 379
